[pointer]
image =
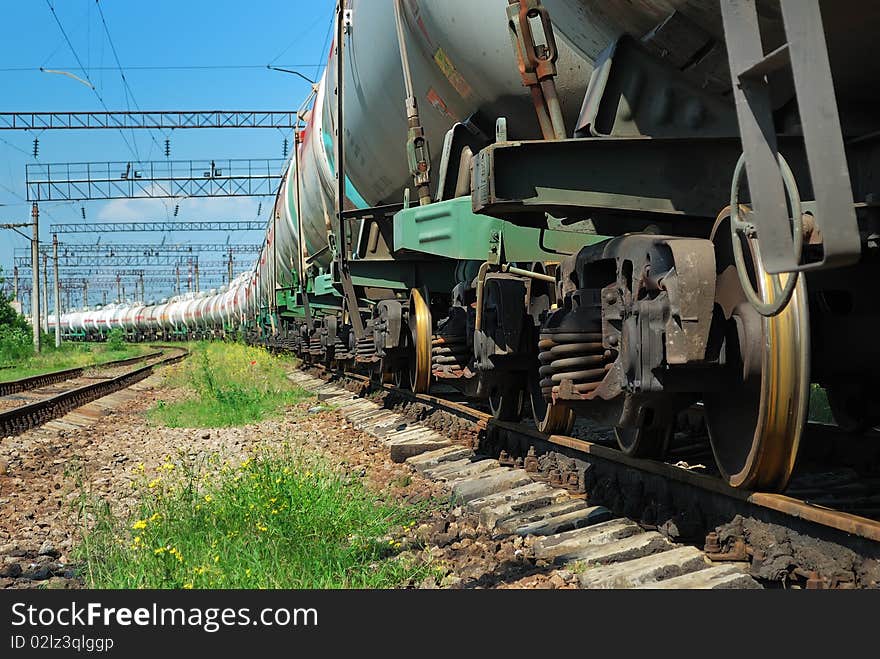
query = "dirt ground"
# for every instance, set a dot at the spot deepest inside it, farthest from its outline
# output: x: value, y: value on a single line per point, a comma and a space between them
x: 44, y: 474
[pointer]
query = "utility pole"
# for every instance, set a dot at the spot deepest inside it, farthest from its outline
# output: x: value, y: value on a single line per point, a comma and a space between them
x: 35, y: 276
x: 104, y: 298
x: 141, y: 281
x: 196, y: 274
x: 45, y: 291
x: 67, y: 297
x: 177, y: 288
x: 118, y: 289
x: 229, y: 268
x: 15, y: 284
x: 57, y: 290
x: 85, y: 292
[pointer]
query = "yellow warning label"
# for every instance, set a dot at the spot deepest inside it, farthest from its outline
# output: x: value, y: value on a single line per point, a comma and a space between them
x: 454, y: 77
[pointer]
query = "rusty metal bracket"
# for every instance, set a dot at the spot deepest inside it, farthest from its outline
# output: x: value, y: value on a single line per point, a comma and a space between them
x: 537, y: 62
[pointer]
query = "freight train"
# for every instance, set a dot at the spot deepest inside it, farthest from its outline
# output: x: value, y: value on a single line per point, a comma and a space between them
x: 602, y: 208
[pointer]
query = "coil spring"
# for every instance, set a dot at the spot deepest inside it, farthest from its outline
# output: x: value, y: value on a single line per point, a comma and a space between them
x: 576, y: 356
x: 340, y: 350
x: 365, y: 349
x: 449, y: 353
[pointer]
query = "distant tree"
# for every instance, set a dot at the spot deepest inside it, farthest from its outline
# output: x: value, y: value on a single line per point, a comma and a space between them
x: 9, y: 317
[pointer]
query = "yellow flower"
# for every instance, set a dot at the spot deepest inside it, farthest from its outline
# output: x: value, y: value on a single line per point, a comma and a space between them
x: 159, y: 550
x: 153, y: 483
x: 188, y: 586
x: 217, y: 558
x: 167, y: 467
x: 137, y: 540
x: 140, y: 524
x: 208, y: 498
x: 155, y: 516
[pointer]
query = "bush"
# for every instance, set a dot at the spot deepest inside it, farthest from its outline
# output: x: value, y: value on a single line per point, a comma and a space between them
x: 116, y: 339
x: 16, y: 344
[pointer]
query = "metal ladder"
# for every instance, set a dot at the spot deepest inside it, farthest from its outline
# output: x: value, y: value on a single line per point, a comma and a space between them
x: 806, y: 54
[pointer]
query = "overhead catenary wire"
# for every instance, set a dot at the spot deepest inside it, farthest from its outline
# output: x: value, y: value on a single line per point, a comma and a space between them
x: 131, y: 148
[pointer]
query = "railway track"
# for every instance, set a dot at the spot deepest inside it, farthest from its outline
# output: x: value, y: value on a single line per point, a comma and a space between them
x: 43, y: 379
x: 44, y: 402
x: 663, y: 524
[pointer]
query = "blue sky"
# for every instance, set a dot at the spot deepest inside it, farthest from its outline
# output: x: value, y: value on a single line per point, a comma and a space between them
x: 159, y: 33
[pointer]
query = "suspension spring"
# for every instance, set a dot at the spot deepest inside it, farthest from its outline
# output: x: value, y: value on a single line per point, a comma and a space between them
x: 450, y: 354
x: 576, y: 356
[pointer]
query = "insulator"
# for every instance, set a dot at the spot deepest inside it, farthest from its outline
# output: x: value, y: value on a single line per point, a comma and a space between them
x: 259, y: 208
x: 176, y: 209
x: 167, y: 148
x: 36, y: 146
x: 83, y: 209
x: 284, y: 147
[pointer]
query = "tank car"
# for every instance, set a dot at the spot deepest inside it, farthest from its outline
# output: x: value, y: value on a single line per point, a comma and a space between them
x: 595, y: 208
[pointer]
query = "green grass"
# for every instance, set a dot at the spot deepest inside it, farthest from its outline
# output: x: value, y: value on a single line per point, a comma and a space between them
x: 228, y: 384
x: 69, y: 355
x: 277, y: 520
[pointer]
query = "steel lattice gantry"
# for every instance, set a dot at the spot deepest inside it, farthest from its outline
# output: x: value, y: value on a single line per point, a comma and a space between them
x: 145, y: 249
x: 148, y: 119
x: 162, y: 226
x: 99, y: 272
x: 93, y: 261
x: 151, y: 180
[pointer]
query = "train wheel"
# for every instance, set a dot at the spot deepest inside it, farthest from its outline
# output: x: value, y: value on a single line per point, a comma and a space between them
x: 506, y: 403
x: 550, y: 418
x: 755, y: 423
x: 421, y: 333
x: 644, y: 443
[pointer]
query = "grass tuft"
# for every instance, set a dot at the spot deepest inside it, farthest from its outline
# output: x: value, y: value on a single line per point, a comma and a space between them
x: 228, y: 384
x: 277, y: 520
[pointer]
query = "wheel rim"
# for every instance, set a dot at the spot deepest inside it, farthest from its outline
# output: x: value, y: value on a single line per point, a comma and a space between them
x: 755, y: 425
x: 644, y: 442
x: 506, y: 404
x: 420, y: 325
x: 550, y: 418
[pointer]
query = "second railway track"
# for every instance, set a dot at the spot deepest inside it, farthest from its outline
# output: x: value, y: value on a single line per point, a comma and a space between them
x: 44, y: 401
x: 824, y: 532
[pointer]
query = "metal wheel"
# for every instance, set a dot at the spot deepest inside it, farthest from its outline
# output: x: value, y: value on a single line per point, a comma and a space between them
x: 421, y: 334
x: 755, y: 421
x: 506, y: 403
x: 550, y: 418
x: 651, y: 443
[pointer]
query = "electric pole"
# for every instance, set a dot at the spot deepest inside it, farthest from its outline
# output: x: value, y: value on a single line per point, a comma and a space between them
x: 57, y: 290
x: 35, y: 276
x: 45, y: 291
